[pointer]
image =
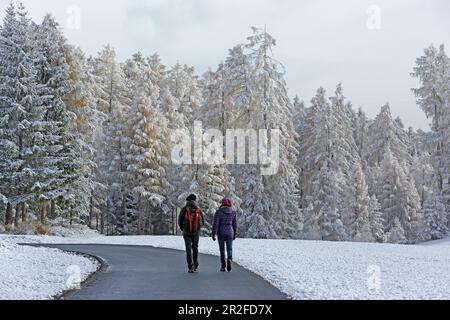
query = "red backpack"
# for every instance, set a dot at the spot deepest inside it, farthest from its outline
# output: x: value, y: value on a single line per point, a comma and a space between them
x: 194, y: 219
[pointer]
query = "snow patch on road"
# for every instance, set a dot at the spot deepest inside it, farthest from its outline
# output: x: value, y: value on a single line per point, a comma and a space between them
x: 29, y: 273
x: 322, y: 270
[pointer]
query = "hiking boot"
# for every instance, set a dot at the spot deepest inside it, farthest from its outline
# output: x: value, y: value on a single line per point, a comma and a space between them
x: 229, y: 262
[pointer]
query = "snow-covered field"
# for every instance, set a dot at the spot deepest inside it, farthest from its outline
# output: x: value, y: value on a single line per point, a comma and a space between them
x: 28, y: 273
x: 323, y: 270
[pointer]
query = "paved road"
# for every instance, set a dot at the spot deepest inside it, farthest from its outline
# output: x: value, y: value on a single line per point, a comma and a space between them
x: 146, y: 273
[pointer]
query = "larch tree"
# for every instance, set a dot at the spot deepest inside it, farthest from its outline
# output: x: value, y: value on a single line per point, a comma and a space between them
x: 433, y: 97
x: 89, y: 190
x: 145, y: 128
x: 113, y: 101
x: 270, y: 109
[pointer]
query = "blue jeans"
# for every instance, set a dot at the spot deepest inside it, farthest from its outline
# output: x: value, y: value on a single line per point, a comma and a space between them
x: 228, y: 242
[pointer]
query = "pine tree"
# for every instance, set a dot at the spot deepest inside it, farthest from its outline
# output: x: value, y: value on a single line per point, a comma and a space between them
x: 344, y: 152
x: 324, y: 199
x: 60, y: 158
x: 398, y: 197
x: 361, y: 135
x: 376, y: 219
x: 384, y: 132
x: 396, y: 233
x: 433, y: 97
x: 21, y: 111
x: 435, y: 217
x: 360, y: 227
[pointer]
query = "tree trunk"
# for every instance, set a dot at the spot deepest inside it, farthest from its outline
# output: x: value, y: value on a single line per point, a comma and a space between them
x: 17, y: 216
x: 125, y: 216
x: 102, y: 220
x: 96, y: 217
x: 91, y: 213
x: 53, y: 209
x: 173, y: 221
x: 48, y: 213
x: 8, y: 217
x: 24, y: 213
x: 43, y: 214
x: 139, y: 219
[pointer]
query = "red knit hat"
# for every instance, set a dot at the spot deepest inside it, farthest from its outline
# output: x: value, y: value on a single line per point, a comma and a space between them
x: 226, y: 202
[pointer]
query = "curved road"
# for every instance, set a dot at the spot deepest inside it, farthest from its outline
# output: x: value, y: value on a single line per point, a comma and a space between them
x: 147, y: 273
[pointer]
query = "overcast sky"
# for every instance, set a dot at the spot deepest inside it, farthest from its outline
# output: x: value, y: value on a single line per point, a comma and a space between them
x: 369, y: 46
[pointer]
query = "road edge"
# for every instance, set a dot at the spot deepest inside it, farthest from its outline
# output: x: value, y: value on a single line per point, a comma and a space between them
x: 89, y: 280
x: 92, y: 277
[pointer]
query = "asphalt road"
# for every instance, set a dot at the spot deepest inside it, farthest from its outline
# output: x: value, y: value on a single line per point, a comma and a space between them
x: 147, y: 273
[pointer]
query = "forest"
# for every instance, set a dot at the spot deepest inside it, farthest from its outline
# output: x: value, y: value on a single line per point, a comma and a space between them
x: 88, y: 140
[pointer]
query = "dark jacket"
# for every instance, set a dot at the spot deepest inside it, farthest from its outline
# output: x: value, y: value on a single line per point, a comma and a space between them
x: 183, y: 223
x: 225, y: 223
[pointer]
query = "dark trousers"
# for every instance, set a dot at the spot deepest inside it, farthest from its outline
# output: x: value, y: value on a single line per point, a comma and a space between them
x: 228, y: 243
x: 191, y: 243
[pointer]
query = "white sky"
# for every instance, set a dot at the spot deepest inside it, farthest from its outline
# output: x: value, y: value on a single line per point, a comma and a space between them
x: 320, y: 42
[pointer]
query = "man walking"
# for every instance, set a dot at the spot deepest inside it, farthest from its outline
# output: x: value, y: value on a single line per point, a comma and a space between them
x: 190, y: 222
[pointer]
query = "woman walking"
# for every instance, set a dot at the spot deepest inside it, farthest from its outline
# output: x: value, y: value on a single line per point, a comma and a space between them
x: 225, y: 228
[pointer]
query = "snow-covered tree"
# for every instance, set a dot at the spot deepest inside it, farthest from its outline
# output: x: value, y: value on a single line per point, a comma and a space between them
x: 89, y: 191
x: 344, y: 152
x: 433, y: 97
x: 359, y: 227
x: 396, y: 234
x: 146, y: 129
x: 398, y: 197
x: 376, y: 219
x: 315, y: 149
x: 21, y: 113
x: 183, y: 85
x: 112, y: 100
x: 60, y: 157
x: 270, y: 108
x: 384, y: 132
x: 361, y: 135
x: 324, y: 200
x: 15, y: 75
x: 434, y: 217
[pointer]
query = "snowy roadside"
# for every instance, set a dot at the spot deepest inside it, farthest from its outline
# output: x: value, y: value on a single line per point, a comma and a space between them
x: 29, y: 273
x: 322, y: 270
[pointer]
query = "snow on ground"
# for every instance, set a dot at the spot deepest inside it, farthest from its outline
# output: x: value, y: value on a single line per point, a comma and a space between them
x: 441, y: 242
x: 76, y: 230
x: 323, y: 270
x: 29, y: 273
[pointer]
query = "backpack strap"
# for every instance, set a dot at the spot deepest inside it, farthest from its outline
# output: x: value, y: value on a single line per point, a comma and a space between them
x: 189, y: 218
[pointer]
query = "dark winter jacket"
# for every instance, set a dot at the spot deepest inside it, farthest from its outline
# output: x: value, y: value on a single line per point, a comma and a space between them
x: 225, y: 223
x: 183, y: 223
